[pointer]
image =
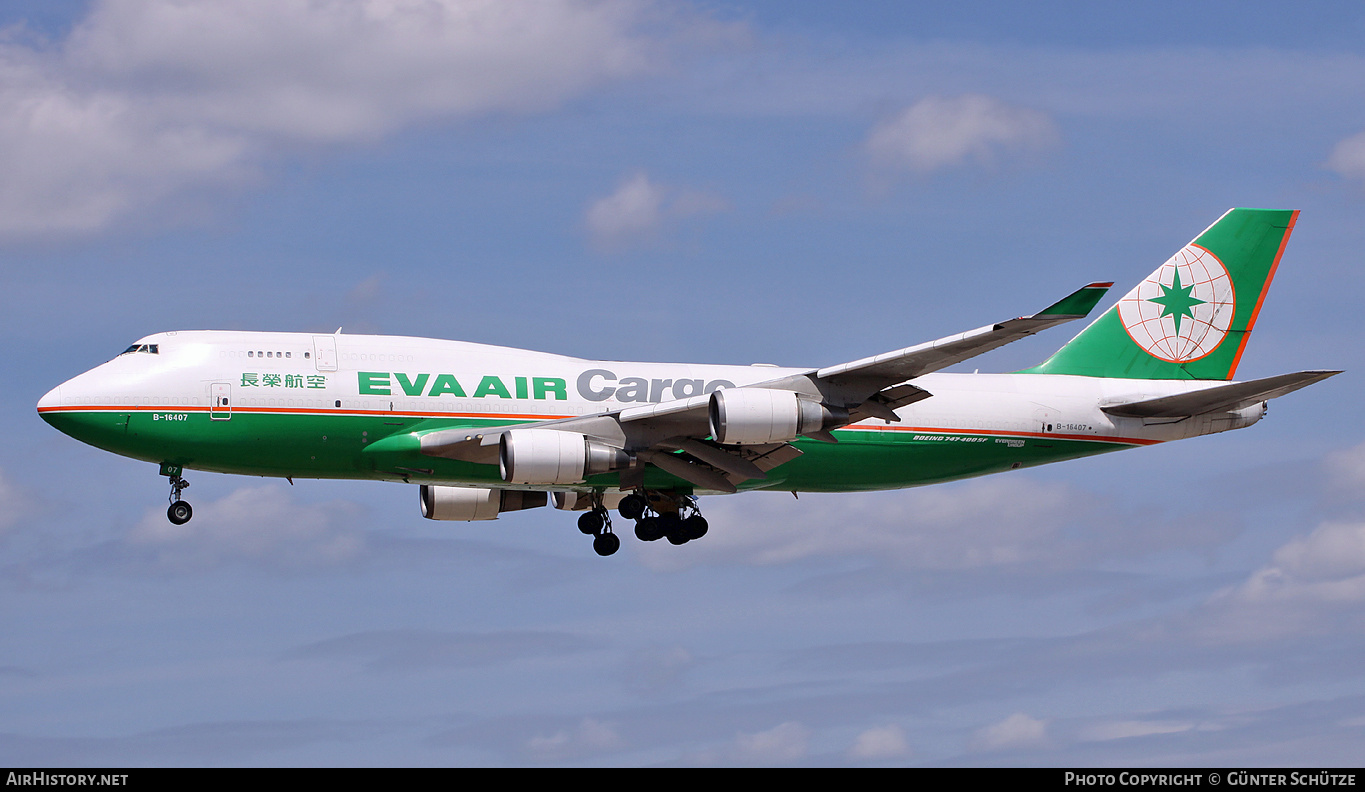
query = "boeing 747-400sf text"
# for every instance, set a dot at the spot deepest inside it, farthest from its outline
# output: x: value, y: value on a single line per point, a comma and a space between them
x: 485, y: 430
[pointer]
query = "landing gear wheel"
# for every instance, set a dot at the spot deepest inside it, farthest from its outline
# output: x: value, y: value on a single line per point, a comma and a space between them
x: 606, y: 544
x: 694, y: 527
x: 632, y: 507
x: 647, y: 530
x: 179, y: 512
x: 592, y: 522
x: 673, y: 529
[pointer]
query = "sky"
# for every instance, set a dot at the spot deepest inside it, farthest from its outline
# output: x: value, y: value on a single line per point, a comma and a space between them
x: 797, y: 183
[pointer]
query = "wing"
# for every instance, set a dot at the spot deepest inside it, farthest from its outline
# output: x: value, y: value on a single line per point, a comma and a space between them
x: 719, y: 440
x: 870, y: 387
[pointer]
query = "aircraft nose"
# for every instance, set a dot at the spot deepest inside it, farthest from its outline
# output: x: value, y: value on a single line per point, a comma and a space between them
x: 52, y: 398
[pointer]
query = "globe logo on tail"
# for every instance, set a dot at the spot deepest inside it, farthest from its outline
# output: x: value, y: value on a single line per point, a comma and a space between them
x: 1184, y: 309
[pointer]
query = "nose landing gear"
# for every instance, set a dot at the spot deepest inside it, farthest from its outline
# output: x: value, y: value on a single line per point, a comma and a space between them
x: 179, y: 512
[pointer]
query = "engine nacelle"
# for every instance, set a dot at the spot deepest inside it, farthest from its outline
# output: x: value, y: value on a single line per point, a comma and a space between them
x: 548, y: 456
x: 475, y: 503
x: 754, y: 416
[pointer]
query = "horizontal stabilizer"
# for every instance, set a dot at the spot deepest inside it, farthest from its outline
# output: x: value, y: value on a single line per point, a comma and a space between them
x: 1219, y: 398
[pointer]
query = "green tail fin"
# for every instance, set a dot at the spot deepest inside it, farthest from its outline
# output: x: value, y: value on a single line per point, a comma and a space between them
x: 1191, y: 318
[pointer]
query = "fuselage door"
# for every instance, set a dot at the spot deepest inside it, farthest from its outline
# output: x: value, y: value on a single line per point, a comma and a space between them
x: 1043, y: 418
x: 220, y: 401
x: 325, y: 352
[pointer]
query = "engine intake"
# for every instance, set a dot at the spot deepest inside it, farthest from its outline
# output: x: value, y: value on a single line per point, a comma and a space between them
x: 475, y: 503
x: 548, y: 456
x: 755, y: 416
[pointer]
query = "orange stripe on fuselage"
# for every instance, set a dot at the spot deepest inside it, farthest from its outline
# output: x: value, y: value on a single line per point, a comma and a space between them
x: 1003, y: 433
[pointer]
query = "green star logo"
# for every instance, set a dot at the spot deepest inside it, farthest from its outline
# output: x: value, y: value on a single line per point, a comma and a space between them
x: 1175, y: 301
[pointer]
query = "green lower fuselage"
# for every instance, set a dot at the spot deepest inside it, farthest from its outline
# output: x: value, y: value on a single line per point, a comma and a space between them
x: 383, y: 447
x: 356, y: 407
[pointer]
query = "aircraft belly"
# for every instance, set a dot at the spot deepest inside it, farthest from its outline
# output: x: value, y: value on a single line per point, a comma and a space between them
x: 876, y: 460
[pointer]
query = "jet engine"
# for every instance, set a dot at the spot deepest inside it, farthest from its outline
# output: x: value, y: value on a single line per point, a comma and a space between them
x: 548, y: 456
x: 754, y: 416
x: 475, y: 503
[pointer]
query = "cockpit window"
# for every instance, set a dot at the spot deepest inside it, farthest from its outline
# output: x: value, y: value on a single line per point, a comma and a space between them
x: 148, y: 348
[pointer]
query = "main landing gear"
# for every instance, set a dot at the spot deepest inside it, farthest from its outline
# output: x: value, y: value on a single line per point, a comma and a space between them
x: 664, y: 515
x: 596, y: 522
x: 657, y: 515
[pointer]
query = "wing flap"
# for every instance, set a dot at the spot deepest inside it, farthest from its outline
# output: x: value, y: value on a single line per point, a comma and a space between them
x: 701, y: 475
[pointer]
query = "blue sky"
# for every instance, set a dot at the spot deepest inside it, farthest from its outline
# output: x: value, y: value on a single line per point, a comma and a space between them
x: 713, y: 182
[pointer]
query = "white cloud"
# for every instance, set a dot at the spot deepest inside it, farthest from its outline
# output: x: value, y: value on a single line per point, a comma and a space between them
x: 786, y: 742
x: 635, y: 208
x: 938, y: 132
x: 1314, y: 584
x: 75, y: 159
x: 1119, y: 730
x: 261, y: 525
x: 338, y: 69
x: 883, y: 742
x: 1326, y: 566
x: 1017, y: 731
x: 589, y: 736
x: 639, y: 209
x: 1334, y: 551
x: 1348, y: 157
x: 148, y: 98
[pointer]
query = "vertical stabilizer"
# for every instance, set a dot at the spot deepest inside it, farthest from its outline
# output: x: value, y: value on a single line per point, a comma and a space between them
x: 1191, y: 318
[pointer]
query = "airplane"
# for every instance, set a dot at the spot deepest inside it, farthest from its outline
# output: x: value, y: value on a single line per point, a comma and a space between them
x: 484, y: 430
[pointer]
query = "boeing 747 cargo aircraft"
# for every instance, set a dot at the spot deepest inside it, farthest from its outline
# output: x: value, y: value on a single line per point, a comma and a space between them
x: 484, y: 430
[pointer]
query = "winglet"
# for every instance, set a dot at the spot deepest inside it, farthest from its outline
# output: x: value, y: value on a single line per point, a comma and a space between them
x: 1078, y: 303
